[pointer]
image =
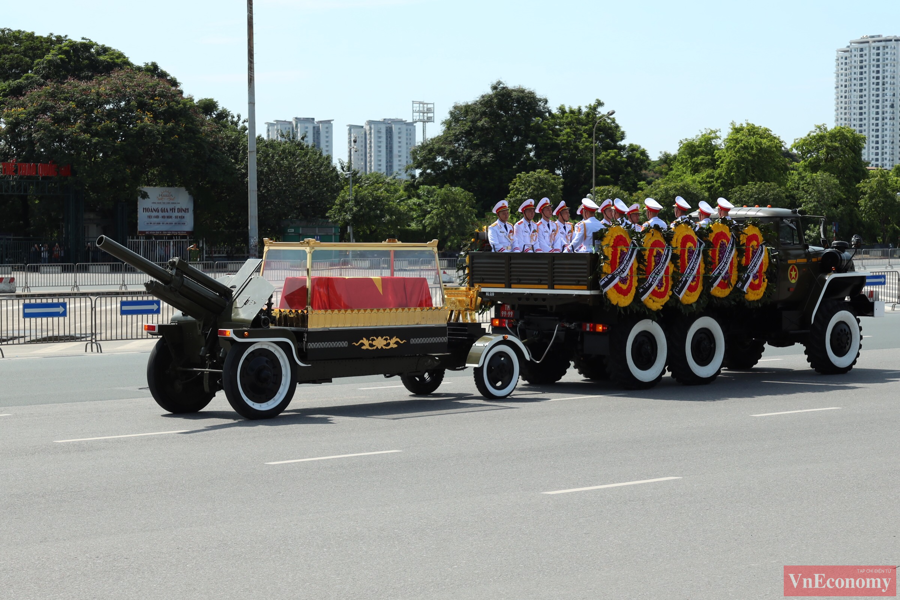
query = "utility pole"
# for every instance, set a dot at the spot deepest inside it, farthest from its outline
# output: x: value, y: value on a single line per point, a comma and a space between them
x: 350, y: 225
x: 252, y: 212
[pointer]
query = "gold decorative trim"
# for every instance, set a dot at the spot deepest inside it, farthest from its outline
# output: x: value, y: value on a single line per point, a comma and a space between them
x: 379, y: 343
x: 377, y: 317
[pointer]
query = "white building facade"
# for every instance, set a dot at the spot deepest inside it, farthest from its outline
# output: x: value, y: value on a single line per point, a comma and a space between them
x: 383, y: 146
x: 865, y: 95
x: 318, y: 134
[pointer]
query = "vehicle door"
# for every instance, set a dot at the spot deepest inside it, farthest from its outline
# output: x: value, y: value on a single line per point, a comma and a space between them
x: 795, y: 276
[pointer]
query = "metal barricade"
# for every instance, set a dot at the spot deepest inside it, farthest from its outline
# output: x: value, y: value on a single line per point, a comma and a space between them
x: 45, y: 319
x: 120, y: 317
x: 50, y: 275
x: 883, y: 286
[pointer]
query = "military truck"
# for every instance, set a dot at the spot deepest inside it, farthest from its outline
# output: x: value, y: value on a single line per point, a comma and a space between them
x: 555, y: 310
x: 307, y: 313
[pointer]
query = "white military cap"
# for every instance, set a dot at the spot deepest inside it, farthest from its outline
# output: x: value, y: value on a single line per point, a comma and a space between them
x: 544, y: 202
x: 682, y: 203
x: 634, y: 208
x: 561, y: 206
x: 605, y: 204
x: 652, y: 204
x: 527, y: 204
x: 704, y: 207
x: 580, y: 209
x: 724, y: 204
x: 503, y: 204
x: 620, y: 206
x: 589, y: 204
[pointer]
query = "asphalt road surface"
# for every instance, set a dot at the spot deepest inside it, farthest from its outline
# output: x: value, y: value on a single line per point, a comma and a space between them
x: 576, y: 490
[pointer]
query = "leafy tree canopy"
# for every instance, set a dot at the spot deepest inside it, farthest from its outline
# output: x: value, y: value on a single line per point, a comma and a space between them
x: 760, y: 193
x: 446, y: 214
x: 750, y: 154
x: 837, y: 151
x: 535, y: 185
x: 376, y: 211
x: 880, y: 205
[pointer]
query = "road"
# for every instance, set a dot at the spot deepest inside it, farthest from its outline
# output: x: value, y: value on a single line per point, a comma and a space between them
x: 102, y: 494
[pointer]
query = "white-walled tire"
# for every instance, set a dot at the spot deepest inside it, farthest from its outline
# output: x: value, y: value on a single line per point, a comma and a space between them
x: 638, y: 352
x: 697, y: 350
x: 259, y: 379
x: 499, y: 373
x: 835, y: 339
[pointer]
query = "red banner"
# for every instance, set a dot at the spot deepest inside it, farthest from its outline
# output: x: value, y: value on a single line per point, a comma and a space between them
x: 347, y: 293
x: 35, y: 169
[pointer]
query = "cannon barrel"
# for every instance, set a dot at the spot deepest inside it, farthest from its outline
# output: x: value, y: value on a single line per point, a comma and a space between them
x: 184, y: 287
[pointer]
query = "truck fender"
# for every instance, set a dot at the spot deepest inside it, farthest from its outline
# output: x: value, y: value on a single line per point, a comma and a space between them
x: 287, y: 338
x: 486, y: 342
x: 833, y: 285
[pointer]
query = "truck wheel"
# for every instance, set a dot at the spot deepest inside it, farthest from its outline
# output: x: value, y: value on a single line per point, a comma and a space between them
x: 742, y: 353
x: 698, y: 349
x: 638, y: 353
x: 591, y: 367
x: 499, y: 373
x: 259, y: 379
x: 424, y: 383
x: 550, y: 370
x: 835, y: 339
x: 175, y: 391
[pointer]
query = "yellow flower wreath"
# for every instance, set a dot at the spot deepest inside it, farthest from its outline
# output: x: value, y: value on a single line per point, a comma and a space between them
x: 654, y: 250
x: 615, y: 246
x: 751, y: 239
x: 684, y: 243
x: 719, y: 236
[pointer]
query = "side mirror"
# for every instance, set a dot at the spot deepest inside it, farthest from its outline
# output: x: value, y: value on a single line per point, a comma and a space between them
x: 856, y: 242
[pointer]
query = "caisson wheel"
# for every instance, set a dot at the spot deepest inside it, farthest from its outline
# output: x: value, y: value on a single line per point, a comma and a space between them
x: 697, y: 350
x: 175, y: 391
x: 550, y: 370
x: 499, y: 373
x: 742, y: 352
x: 424, y: 383
x: 638, y: 353
x: 259, y: 379
x: 591, y: 367
x: 835, y: 338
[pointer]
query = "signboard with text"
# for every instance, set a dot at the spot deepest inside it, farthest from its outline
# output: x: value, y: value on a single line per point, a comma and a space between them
x: 165, y: 211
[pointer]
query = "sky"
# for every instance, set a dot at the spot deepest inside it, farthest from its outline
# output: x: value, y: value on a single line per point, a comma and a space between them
x: 669, y: 69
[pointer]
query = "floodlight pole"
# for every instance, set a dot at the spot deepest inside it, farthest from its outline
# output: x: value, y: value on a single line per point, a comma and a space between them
x: 252, y: 212
x: 350, y: 224
x: 594, y: 146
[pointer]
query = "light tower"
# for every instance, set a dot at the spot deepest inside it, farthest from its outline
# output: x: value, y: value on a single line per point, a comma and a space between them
x: 422, y: 112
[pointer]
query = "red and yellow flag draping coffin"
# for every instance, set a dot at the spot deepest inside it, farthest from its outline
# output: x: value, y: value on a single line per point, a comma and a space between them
x: 349, y: 293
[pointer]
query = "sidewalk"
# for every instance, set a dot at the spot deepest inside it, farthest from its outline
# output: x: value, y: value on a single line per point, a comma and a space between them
x: 75, y: 349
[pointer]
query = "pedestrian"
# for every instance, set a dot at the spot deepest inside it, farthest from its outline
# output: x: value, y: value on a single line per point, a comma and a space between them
x: 724, y: 207
x: 583, y: 239
x: 526, y: 230
x: 653, y: 207
x: 705, y: 211
x: 547, y: 230
x: 500, y: 232
x: 566, y: 229
x: 45, y: 254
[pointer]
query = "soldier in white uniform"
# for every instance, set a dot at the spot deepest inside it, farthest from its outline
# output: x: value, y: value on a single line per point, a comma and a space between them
x: 621, y: 210
x: 500, y: 233
x: 634, y: 217
x: 566, y: 230
x: 653, y: 207
x: 526, y: 229
x: 705, y: 211
x: 724, y: 207
x: 584, y: 231
x: 608, y: 212
x: 681, y: 212
x: 547, y: 230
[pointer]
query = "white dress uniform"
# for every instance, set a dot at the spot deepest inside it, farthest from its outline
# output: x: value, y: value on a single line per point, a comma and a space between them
x: 500, y: 236
x: 655, y: 221
x: 584, y: 235
x: 726, y: 206
x: 547, y: 232
x: 564, y: 236
x: 526, y: 236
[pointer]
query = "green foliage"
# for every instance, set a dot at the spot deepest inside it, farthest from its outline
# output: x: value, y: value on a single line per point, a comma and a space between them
x: 837, y: 151
x: 760, y: 193
x: 377, y: 210
x: 697, y: 162
x: 295, y: 181
x: 880, y: 205
x: 665, y: 190
x: 535, y: 185
x: 446, y: 214
x: 750, y: 154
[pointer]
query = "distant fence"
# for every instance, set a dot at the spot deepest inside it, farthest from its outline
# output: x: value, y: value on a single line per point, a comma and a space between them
x: 884, y: 286
x: 73, y: 277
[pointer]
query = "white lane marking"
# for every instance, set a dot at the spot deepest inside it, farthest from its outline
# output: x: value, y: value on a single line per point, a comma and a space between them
x: 580, y: 397
x: 769, y: 359
x: 284, y: 462
x: 611, y: 485
x: 382, y: 387
x: 115, y: 437
x: 791, y: 412
x: 6, y: 415
x: 831, y: 385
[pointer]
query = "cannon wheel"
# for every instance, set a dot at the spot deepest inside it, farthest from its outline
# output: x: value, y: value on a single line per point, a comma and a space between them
x: 175, y: 391
x: 499, y: 373
x: 423, y: 383
x: 259, y: 379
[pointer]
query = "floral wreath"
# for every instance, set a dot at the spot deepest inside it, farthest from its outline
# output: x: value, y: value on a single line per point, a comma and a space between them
x: 616, y: 244
x: 656, y: 249
x: 719, y: 239
x: 685, y: 242
x: 751, y: 239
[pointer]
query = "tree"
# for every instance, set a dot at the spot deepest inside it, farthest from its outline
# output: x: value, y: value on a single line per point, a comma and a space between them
x: 446, y: 214
x: 485, y: 143
x: 535, y: 185
x: 837, y: 151
x: 750, y: 154
x: 611, y: 192
x: 697, y: 162
x: 296, y: 181
x: 567, y: 150
x: 760, y: 193
x: 665, y: 190
x: 880, y: 205
x: 377, y: 210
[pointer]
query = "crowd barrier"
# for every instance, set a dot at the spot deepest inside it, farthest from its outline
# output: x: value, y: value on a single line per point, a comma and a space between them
x: 884, y: 286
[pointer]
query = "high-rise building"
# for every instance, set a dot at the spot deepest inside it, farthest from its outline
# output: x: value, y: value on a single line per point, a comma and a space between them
x: 384, y: 146
x: 865, y: 95
x: 318, y: 134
